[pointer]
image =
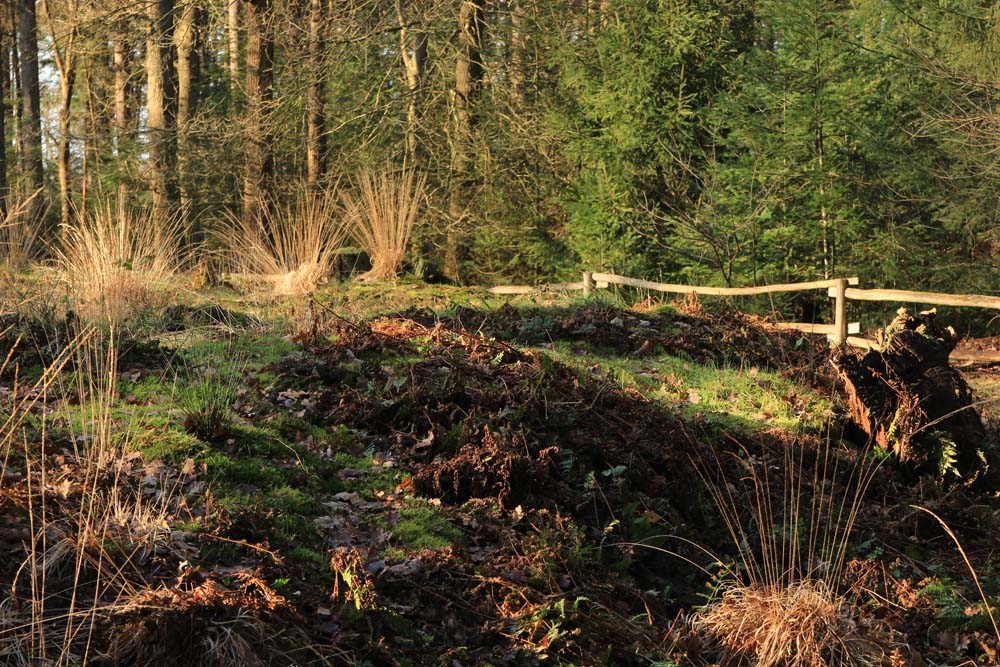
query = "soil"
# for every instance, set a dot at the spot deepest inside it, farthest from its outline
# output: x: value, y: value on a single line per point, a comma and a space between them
x: 563, y: 518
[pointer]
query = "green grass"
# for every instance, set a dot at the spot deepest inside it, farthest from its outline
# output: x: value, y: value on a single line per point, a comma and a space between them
x: 740, y: 398
x: 423, y: 526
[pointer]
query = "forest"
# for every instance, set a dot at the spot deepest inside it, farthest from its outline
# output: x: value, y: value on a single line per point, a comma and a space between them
x: 297, y: 366
x: 730, y: 142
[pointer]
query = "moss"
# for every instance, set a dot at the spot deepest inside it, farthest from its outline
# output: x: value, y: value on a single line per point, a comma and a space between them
x: 423, y: 527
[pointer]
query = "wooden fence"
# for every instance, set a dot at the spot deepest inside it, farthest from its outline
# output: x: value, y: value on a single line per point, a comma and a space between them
x: 839, y: 289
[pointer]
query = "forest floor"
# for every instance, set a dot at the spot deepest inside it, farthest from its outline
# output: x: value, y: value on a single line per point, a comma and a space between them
x: 421, y: 475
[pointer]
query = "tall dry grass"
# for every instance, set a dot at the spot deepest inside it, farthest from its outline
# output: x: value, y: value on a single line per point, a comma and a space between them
x: 90, y: 525
x: 382, y: 215
x: 119, y: 259
x: 785, y: 604
x: 20, y: 233
x: 291, y: 246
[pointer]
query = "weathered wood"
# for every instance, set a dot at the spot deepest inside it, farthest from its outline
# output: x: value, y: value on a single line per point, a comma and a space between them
x: 531, y: 289
x: 588, y: 282
x: 957, y: 355
x: 931, y: 298
x: 815, y: 328
x: 840, y: 312
x: 713, y: 291
x: 913, y: 403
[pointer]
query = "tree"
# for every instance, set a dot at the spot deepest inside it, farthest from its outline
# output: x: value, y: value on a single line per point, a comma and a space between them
x: 186, y: 38
x: 634, y: 91
x: 413, y: 50
x: 464, y: 99
x: 31, y: 113
x: 259, y: 90
x: 64, y: 41
x: 315, y: 93
x: 161, y: 108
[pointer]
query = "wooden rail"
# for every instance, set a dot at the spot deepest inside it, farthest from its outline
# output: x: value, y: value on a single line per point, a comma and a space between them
x: 929, y: 298
x: 840, y: 289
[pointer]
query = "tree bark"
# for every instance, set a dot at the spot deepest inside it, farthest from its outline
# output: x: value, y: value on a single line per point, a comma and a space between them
x: 186, y: 41
x: 31, y: 115
x: 119, y: 59
x: 4, y: 75
x: 315, y: 93
x: 518, y: 42
x: 259, y: 66
x: 233, y: 34
x: 160, y: 110
x: 413, y: 49
x: 65, y: 57
x: 468, y: 84
x: 911, y: 402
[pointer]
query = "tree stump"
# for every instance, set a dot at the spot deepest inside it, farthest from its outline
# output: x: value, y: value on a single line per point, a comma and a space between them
x: 913, y: 403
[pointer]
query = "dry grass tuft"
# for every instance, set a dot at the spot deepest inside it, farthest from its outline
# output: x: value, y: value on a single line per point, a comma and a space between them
x: 208, y: 625
x: 801, y: 625
x: 118, y: 259
x: 790, y: 515
x: 382, y: 219
x: 20, y: 234
x: 292, y: 245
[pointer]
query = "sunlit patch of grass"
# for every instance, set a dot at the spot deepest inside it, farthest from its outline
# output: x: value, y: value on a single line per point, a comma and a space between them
x: 740, y: 397
x: 423, y: 526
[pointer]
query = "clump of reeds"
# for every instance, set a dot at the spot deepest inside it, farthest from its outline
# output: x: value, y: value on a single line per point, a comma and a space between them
x: 382, y: 216
x: 118, y: 258
x: 20, y: 233
x: 785, y: 605
x: 293, y: 245
x: 804, y: 624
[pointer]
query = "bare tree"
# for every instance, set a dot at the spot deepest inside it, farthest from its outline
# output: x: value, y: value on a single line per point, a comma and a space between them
x: 64, y: 41
x: 413, y: 49
x: 468, y: 84
x: 315, y: 92
x: 259, y: 91
x: 186, y: 42
x: 31, y: 114
x: 160, y: 102
x: 233, y: 35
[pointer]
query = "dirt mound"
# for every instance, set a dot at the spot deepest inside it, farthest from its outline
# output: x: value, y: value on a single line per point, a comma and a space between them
x: 725, y: 336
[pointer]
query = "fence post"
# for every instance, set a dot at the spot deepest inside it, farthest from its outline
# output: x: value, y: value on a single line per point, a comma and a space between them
x: 840, y: 311
x: 588, y: 283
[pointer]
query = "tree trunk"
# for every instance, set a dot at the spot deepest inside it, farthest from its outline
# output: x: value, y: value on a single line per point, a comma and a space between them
x: 31, y: 115
x: 186, y: 41
x: 120, y: 51
x: 259, y: 66
x: 468, y: 84
x: 233, y: 34
x: 65, y: 57
x: 160, y: 108
x: 4, y: 75
x: 315, y: 110
x: 413, y: 48
x: 518, y: 40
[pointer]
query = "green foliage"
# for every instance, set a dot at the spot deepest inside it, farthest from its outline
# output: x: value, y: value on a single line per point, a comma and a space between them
x: 633, y: 95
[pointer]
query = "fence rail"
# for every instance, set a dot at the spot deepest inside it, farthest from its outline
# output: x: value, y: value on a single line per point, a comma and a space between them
x: 840, y: 289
